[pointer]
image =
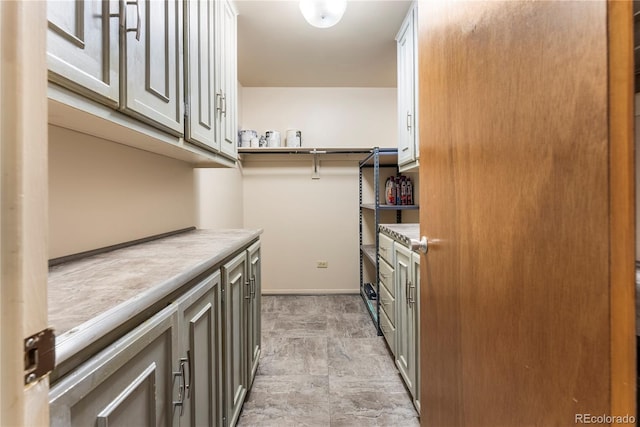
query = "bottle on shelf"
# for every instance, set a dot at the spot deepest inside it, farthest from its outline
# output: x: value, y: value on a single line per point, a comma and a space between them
x: 390, y: 191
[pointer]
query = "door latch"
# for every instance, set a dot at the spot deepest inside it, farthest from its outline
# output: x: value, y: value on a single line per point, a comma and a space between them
x: 39, y: 355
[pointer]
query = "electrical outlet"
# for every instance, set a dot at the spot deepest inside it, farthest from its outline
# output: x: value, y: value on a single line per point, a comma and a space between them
x: 323, y: 264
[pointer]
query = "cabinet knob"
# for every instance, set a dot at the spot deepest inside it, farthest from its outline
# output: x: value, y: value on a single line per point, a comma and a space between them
x: 421, y: 245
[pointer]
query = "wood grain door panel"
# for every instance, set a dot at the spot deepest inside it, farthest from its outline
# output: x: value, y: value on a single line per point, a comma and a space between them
x: 515, y: 192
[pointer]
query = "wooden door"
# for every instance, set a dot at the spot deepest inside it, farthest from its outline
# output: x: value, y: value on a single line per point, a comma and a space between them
x: 200, y: 349
x: 201, y: 74
x: 152, y: 53
x: 527, y: 294
x: 23, y: 206
x: 82, y: 47
x: 235, y: 353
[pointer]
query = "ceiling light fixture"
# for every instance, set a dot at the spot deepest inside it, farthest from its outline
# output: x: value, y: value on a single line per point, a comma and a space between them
x: 323, y: 13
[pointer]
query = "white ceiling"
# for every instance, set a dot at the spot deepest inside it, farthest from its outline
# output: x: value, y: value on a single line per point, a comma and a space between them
x: 277, y: 47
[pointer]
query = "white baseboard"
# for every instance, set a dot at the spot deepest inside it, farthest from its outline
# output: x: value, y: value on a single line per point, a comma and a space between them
x: 310, y: 292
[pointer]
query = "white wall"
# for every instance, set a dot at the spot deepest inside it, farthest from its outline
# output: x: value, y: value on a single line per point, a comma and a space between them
x: 102, y: 193
x: 307, y: 220
x: 304, y: 221
x: 219, y: 201
x: 327, y: 117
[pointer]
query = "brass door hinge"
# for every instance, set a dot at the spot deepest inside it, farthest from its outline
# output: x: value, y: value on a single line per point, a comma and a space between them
x: 39, y: 355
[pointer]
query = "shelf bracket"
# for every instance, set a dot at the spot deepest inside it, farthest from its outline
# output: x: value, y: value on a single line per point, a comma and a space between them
x: 315, y: 166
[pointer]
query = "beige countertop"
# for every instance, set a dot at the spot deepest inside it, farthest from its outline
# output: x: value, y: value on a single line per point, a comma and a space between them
x: 91, y: 296
x: 403, y: 233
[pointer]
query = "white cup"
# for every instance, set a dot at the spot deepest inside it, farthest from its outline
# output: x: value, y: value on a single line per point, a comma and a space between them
x: 273, y: 138
x: 294, y: 138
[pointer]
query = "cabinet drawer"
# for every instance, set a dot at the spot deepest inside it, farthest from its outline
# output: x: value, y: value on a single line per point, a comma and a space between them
x: 385, y: 248
x: 388, y: 304
x: 388, y: 278
x: 388, y: 330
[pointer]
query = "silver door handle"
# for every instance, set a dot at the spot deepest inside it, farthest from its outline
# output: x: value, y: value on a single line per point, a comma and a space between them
x: 409, y: 121
x: 421, y: 245
x: 139, y: 21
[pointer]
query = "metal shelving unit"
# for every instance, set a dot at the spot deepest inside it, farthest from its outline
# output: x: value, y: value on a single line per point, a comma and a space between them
x: 377, y: 159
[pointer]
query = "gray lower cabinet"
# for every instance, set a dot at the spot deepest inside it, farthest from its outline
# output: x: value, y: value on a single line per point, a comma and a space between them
x: 407, y: 264
x: 83, y: 48
x: 254, y: 311
x: 166, y: 372
x: 191, y: 364
x: 129, y: 383
x: 235, y: 354
x: 201, y: 355
x: 153, y: 67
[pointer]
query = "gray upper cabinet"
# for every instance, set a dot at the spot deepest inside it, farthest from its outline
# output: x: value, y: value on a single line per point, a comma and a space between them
x: 82, y: 47
x: 202, y: 123
x: 151, y: 78
x: 254, y: 311
x: 408, y: 141
x: 228, y: 78
x: 234, y: 282
x: 200, y: 355
x: 169, y: 64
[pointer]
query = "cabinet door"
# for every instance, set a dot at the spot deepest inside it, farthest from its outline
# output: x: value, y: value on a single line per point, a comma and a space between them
x: 235, y: 281
x: 405, y: 317
x: 415, y: 271
x: 82, y: 47
x: 254, y: 312
x: 407, y: 90
x: 228, y: 79
x: 129, y: 383
x: 200, y: 353
x: 152, y: 72
x: 201, y: 103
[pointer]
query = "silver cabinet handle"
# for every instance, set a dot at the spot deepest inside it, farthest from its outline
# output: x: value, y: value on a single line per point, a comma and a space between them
x: 248, y: 284
x: 411, y: 296
x: 139, y: 21
x: 224, y: 99
x: 187, y: 385
x: 421, y: 245
x: 219, y: 102
x: 253, y: 286
x: 409, y: 121
x: 406, y: 289
x: 181, y: 387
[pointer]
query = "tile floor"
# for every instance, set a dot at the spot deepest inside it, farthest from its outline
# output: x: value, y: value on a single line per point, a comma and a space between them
x: 322, y: 364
